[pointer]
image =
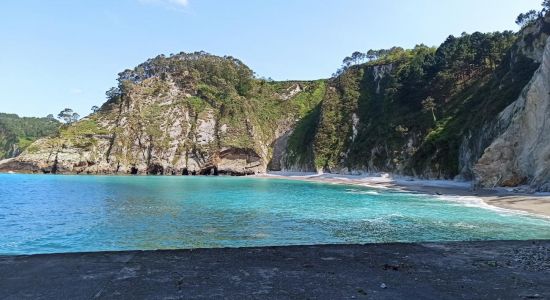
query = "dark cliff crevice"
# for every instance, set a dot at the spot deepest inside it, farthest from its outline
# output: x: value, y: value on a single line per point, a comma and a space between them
x: 114, y: 134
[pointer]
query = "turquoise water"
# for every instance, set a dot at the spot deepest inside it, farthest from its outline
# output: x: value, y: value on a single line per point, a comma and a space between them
x: 45, y: 214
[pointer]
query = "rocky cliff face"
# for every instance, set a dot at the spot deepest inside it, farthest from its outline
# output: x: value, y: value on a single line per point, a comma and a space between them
x: 486, y: 118
x: 184, y: 114
x: 373, y: 117
x: 521, y: 154
x: 372, y: 120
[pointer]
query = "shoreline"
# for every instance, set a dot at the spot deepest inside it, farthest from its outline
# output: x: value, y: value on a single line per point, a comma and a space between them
x: 499, y: 199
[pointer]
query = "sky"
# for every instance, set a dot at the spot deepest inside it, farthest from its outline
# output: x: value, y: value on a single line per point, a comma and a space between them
x: 65, y: 53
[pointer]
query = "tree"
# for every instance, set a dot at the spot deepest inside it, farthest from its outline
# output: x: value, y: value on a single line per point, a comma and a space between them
x: 74, y: 117
x: 527, y: 18
x: 429, y: 106
x: 347, y: 62
x: 68, y: 116
x: 50, y: 116
x: 17, y: 133
x: 357, y: 57
x: 113, y: 93
x: 546, y: 5
x: 372, y: 55
x: 95, y: 109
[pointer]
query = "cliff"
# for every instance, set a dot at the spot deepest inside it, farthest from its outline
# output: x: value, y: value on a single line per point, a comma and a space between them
x: 473, y: 108
x: 375, y: 117
x: 521, y: 154
x: 185, y: 114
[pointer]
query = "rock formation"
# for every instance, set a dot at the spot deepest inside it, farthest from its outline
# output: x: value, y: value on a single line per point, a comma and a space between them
x: 521, y: 154
x: 185, y: 114
x: 202, y: 114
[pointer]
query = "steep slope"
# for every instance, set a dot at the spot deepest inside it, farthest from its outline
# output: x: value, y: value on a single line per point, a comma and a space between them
x: 16, y: 133
x: 374, y: 116
x: 521, y: 154
x: 188, y: 113
x: 473, y: 108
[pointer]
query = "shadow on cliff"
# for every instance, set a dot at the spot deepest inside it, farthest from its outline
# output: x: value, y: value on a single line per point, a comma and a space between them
x: 293, y: 150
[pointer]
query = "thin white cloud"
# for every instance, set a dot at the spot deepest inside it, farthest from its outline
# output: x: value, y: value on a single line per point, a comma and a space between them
x: 76, y: 91
x: 179, y: 3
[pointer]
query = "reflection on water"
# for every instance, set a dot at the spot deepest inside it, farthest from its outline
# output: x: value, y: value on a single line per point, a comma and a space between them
x: 43, y: 214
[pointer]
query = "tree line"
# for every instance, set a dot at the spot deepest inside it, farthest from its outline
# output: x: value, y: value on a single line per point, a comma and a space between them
x: 528, y: 18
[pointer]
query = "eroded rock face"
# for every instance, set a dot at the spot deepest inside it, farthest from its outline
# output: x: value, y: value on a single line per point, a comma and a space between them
x: 379, y: 72
x: 188, y: 114
x: 521, y: 155
x: 234, y: 161
x: 280, y: 146
x: 133, y: 151
x: 291, y: 92
x: 534, y: 39
x: 174, y: 121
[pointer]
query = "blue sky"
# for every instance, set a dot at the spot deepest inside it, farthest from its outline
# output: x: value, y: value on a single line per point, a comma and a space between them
x: 66, y: 53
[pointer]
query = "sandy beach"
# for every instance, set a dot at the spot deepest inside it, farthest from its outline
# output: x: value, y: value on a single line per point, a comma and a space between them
x: 535, y: 203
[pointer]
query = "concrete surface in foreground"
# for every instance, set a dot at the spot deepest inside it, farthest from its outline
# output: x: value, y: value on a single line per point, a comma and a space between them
x: 471, y: 270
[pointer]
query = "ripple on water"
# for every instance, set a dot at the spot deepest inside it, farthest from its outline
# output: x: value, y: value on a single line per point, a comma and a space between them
x: 44, y: 214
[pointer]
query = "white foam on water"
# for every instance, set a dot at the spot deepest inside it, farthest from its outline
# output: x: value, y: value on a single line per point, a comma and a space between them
x: 360, y: 192
x: 433, y: 183
x: 472, y: 201
x: 376, y: 178
x: 382, y: 219
x: 464, y: 225
x: 377, y: 181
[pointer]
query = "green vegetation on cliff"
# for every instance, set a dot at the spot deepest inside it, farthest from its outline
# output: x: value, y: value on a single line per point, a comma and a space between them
x: 408, y: 110
x: 188, y: 111
x: 426, y: 111
x: 17, y: 133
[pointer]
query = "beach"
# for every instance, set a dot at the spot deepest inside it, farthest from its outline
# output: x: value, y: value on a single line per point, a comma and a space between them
x: 500, y: 198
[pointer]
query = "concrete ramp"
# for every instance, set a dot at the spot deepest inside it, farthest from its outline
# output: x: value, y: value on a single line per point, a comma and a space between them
x: 463, y: 270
